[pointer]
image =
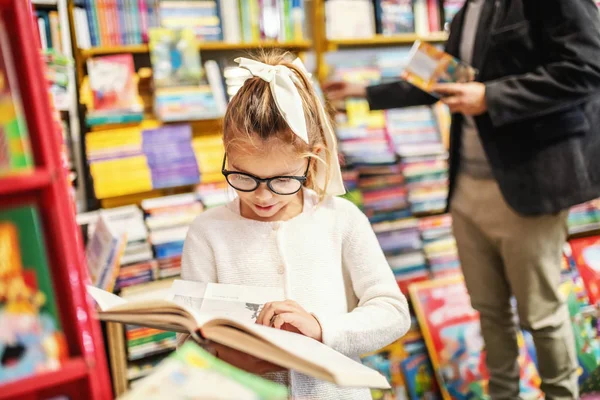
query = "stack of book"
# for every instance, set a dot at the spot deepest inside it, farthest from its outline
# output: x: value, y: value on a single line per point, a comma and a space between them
x: 214, y: 194
x: 135, y: 261
x: 209, y: 151
x: 350, y: 176
x: 168, y: 219
x: 402, y: 245
x: 145, y: 342
x: 184, y: 90
x: 416, y: 139
x: 440, y: 245
x: 114, y: 22
x: 383, y: 193
x: 141, y: 158
x: 584, y: 218
x: 170, y: 156
x: 136, y: 273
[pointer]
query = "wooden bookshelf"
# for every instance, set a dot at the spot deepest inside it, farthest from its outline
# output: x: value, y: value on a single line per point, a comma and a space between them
x: 44, y: 2
x: 381, y: 40
x: 208, y: 46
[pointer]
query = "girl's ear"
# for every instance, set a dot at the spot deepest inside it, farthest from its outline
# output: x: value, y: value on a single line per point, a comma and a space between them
x: 318, y: 149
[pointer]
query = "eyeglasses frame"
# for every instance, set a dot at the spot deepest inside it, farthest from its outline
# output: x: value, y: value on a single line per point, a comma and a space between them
x: 267, y: 181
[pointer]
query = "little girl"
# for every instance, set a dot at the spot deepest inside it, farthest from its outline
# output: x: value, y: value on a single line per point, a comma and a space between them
x: 286, y: 229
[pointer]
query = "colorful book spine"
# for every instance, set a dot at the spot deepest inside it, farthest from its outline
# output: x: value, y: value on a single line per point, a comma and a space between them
x: 298, y: 19
x: 433, y: 10
x: 122, y: 21
x: 144, y: 17
x: 92, y: 23
x: 137, y: 33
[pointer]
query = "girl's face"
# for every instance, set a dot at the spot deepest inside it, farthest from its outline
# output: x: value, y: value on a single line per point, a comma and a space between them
x: 262, y: 204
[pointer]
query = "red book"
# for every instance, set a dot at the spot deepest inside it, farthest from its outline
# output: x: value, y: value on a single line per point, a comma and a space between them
x: 586, y: 253
x: 433, y: 13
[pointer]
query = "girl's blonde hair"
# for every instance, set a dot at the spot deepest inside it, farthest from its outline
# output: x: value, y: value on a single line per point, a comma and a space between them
x: 252, y: 118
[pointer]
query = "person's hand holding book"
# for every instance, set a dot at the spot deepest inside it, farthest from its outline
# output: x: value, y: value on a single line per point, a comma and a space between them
x: 464, y: 98
x: 290, y: 316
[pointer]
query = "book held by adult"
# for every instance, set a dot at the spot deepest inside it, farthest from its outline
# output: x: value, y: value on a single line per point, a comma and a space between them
x: 210, y: 319
x: 427, y: 66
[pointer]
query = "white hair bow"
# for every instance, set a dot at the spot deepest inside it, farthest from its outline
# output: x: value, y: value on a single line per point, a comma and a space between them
x: 289, y: 103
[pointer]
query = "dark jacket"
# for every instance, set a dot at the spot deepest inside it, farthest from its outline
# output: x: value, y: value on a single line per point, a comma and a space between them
x: 540, y: 62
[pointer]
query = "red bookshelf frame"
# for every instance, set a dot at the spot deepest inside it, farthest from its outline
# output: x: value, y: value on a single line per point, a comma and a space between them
x: 85, y: 374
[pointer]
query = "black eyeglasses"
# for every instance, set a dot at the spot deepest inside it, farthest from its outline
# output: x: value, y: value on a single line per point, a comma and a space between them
x: 282, y: 185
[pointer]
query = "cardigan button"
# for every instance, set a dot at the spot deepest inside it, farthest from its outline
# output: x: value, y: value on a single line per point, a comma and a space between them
x: 276, y: 226
x: 281, y: 270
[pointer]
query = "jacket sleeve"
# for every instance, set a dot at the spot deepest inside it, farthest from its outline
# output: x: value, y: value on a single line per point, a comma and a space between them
x: 397, y: 95
x: 381, y: 315
x: 568, y: 33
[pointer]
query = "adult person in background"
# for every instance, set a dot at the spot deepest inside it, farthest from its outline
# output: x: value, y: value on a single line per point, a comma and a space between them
x: 524, y: 147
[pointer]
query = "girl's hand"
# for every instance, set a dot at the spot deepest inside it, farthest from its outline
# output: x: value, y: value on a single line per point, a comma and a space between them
x: 243, y: 361
x: 289, y: 316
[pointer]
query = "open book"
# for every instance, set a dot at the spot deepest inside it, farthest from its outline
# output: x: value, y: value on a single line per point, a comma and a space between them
x: 286, y: 349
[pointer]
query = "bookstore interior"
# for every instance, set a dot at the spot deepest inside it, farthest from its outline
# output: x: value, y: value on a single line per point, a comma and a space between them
x: 104, y: 167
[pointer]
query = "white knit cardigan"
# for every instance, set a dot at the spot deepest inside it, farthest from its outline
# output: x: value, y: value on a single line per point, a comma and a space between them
x: 327, y: 259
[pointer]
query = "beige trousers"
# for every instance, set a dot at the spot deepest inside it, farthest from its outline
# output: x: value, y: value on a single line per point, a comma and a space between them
x: 504, y: 254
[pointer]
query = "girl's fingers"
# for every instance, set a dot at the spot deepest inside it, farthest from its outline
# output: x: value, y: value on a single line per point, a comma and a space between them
x: 272, y: 309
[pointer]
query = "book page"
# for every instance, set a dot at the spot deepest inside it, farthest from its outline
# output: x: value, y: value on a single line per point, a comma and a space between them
x: 238, y: 302
x: 104, y: 299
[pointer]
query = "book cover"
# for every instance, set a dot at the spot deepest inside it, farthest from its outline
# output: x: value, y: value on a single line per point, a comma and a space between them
x: 395, y: 16
x: 31, y: 340
x: 15, y: 147
x: 585, y: 332
x: 193, y: 370
x: 419, y: 377
x: 428, y: 65
x: 452, y: 333
x: 175, y: 58
x: 586, y: 253
x: 113, y: 83
x: 103, y: 254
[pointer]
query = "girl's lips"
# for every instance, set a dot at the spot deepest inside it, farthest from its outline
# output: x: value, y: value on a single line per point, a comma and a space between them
x: 264, y: 208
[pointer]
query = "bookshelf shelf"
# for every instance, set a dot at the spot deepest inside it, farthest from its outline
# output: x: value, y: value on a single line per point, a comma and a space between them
x: 37, y: 179
x: 72, y: 370
x: 380, y: 40
x: 208, y: 46
x: 44, y: 2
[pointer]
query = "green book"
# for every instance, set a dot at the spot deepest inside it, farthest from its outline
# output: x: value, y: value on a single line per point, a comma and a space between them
x: 150, y: 339
x: 32, y: 341
x: 192, y: 373
x: 23, y: 252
